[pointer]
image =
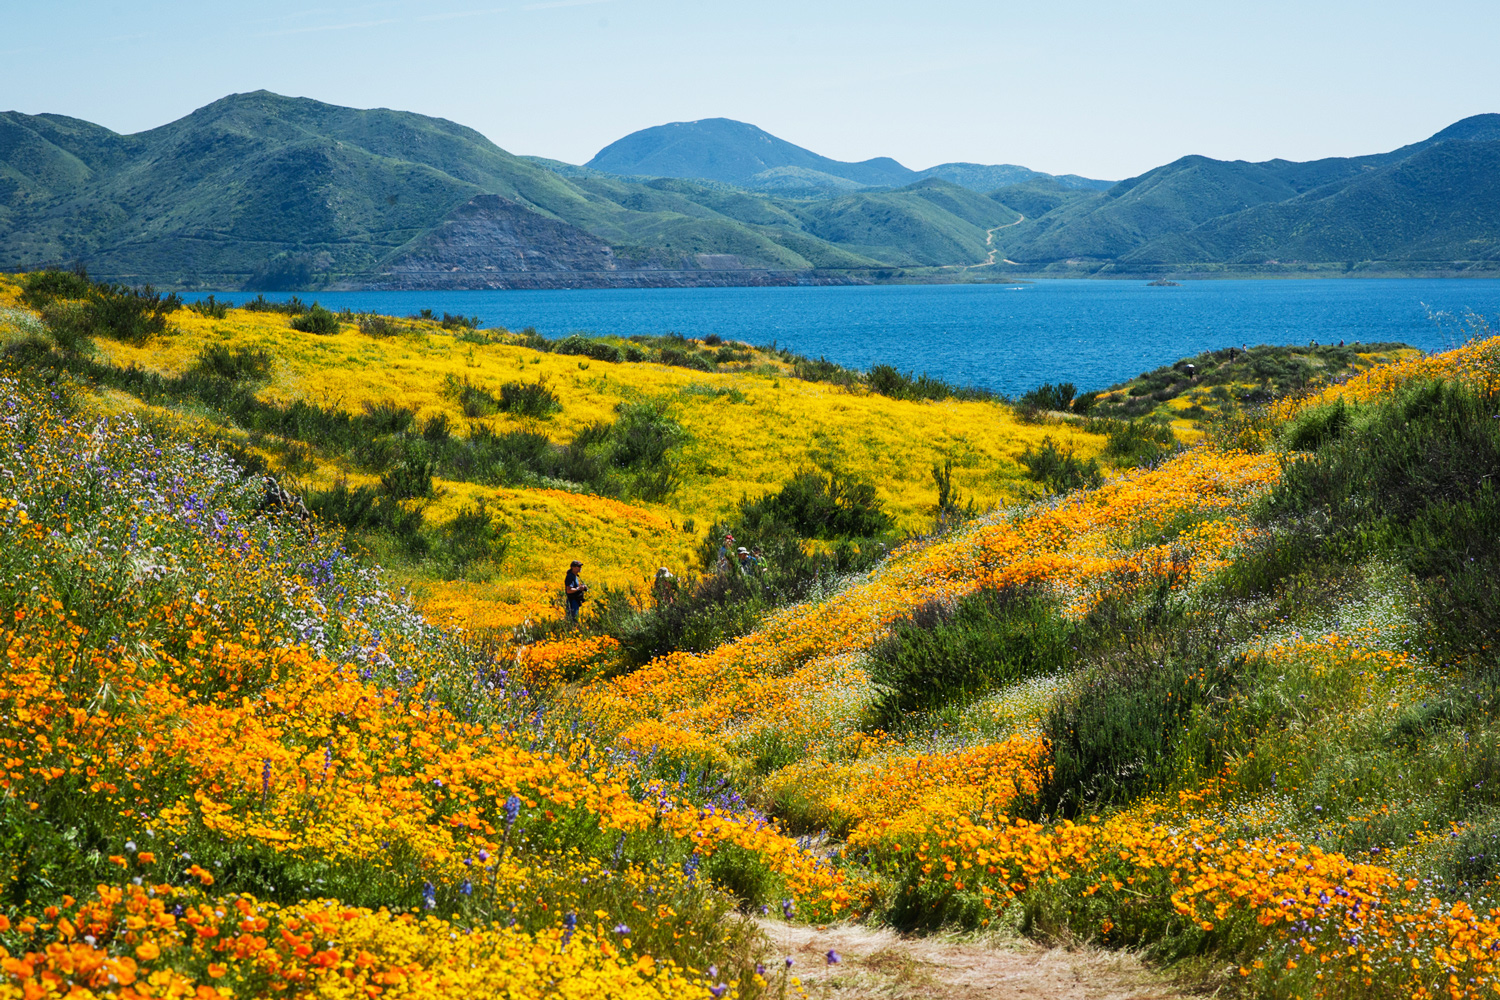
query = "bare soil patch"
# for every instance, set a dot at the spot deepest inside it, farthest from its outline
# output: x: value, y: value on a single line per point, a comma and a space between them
x: 879, y: 964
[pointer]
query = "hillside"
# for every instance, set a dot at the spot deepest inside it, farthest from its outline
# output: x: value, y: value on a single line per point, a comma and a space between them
x: 721, y: 149
x: 268, y: 192
x: 1427, y: 206
x: 1231, y: 711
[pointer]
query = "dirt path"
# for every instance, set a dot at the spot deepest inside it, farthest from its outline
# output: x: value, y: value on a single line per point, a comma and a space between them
x: 989, y: 241
x: 878, y: 964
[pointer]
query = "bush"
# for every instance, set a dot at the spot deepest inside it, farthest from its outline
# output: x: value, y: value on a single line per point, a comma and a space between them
x: 1058, y: 470
x: 887, y: 381
x: 316, y: 320
x: 473, y: 538
x: 291, y: 307
x: 409, y: 480
x: 386, y: 417
x: 1050, y: 397
x: 1124, y: 730
x: 686, y: 359
x: 589, y: 348
x: 372, y: 325
x: 1413, y: 479
x: 473, y: 400
x: 815, y: 505
x: 39, y: 288
x: 210, y: 307
x: 70, y: 324
x: 942, y: 654
x: 529, y: 399
x: 1138, y: 442
x: 452, y: 322
x: 240, y: 365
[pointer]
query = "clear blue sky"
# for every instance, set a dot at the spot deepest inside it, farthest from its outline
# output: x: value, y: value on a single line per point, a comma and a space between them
x: 1106, y: 89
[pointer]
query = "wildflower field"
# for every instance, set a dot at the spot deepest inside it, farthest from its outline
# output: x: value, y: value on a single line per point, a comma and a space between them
x: 291, y: 707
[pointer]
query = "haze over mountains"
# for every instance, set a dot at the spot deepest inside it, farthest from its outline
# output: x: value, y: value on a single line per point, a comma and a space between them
x: 266, y: 191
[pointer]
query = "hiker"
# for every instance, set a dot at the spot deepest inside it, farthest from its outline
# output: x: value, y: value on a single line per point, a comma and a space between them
x: 725, y: 549
x: 574, y: 589
x: 664, y: 586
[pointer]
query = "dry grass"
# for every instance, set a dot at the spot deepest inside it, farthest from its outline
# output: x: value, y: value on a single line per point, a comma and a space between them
x: 879, y: 964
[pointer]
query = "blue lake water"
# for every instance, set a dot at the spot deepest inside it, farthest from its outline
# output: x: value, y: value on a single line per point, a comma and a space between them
x: 1008, y: 338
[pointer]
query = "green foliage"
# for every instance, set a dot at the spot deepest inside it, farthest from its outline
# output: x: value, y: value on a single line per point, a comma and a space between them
x: 210, y: 307
x: 373, y: 325
x: 888, y: 381
x: 38, y: 288
x: 1137, y: 443
x: 1413, y: 478
x: 316, y: 320
x: 239, y: 365
x: 946, y: 653
x: 814, y: 504
x: 291, y: 307
x: 529, y: 399
x: 1049, y: 397
x: 1058, y: 470
x: 1122, y: 731
x: 473, y: 400
x: 473, y: 540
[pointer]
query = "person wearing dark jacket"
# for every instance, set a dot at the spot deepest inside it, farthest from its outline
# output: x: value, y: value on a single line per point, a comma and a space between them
x: 574, y: 589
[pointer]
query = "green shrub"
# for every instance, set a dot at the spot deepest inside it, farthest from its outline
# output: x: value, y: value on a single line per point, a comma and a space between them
x: 473, y: 400
x: 291, y: 307
x: 239, y: 365
x: 39, y: 288
x: 409, y: 480
x: 471, y: 540
x: 316, y: 320
x: 373, y: 325
x: 529, y: 399
x: 1058, y: 470
x: 452, y: 322
x: 946, y: 653
x: 386, y: 417
x: 1137, y: 443
x: 1315, y: 426
x: 888, y: 381
x: 210, y: 307
x: 1413, y: 479
x: 1123, y: 731
x: 1050, y: 397
x: 589, y: 348
x: 70, y: 324
x: 822, y: 505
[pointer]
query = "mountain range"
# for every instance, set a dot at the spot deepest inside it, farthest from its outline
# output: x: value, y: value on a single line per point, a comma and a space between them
x: 737, y: 153
x: 263, y: 191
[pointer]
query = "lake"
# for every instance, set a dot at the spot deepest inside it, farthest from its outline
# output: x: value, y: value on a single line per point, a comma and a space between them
x: 1008, y: 338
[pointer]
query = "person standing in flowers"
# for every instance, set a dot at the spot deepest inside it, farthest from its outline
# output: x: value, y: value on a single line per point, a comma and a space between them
x: 664, y: 586
x: 574, y: 589
x: 726, y: 551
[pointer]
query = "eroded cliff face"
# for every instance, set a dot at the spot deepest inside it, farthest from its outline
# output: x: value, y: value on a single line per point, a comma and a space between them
x: 493, y: 242
x: 493, y: 235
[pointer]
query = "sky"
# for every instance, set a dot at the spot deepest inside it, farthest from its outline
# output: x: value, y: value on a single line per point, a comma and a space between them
x: 1103, y: 89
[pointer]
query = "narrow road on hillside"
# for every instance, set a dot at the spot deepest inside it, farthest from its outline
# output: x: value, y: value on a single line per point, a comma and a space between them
x: 879, y: 963
x: 989, y: 241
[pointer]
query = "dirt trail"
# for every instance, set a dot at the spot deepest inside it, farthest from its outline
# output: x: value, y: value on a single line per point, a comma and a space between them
x: 878, y: 964
x: 989, y: 241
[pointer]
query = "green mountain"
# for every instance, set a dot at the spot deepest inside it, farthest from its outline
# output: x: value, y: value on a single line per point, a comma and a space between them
x: 263, y: 191
x: 1433, y: 205
x: 721, y: 149
x: 272, y: 191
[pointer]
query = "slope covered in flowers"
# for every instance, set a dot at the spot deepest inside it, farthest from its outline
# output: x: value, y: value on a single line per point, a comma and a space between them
x: 1234, y: 710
